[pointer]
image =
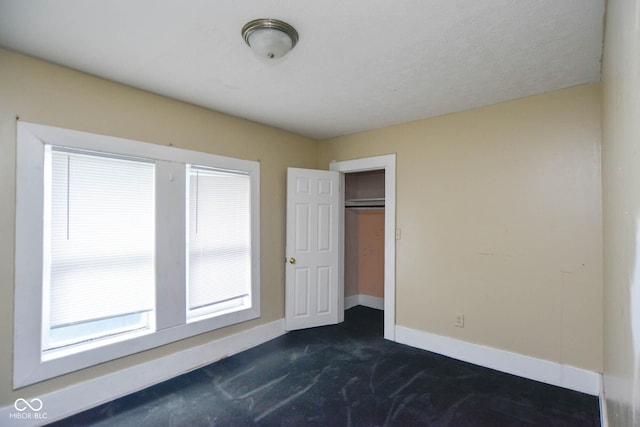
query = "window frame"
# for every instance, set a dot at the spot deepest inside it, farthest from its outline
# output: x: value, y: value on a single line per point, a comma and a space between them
x: 171, y: 320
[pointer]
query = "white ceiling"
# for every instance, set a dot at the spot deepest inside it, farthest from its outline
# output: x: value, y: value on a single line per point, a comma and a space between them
x: 359, y: 64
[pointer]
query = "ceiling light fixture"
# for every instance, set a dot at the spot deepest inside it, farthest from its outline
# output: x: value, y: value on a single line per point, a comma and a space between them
x: 269, y: 38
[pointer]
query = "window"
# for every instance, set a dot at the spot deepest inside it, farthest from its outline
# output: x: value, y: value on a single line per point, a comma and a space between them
x: 98, y: 273
x: 122, y: 246
x: 219, y: 241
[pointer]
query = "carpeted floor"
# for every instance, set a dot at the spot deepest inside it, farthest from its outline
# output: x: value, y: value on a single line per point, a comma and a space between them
x: 344, y: 375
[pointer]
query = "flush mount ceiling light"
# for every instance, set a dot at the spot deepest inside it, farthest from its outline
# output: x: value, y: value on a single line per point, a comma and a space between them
x: 269, y: 38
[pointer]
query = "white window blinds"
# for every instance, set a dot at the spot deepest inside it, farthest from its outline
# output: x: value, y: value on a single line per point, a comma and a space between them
x: 99, y: 254
x: 219, y: 240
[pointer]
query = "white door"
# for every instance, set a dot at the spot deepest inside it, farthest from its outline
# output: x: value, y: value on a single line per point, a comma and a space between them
x: 312, y: 248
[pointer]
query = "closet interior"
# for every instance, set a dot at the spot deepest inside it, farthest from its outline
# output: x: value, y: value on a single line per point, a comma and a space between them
x: 364, y: 239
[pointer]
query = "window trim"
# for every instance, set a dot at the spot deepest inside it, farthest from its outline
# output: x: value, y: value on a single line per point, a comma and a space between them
x: 171, y: 320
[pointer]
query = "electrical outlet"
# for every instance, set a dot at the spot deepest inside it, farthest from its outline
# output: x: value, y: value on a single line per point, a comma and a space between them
x: 459, y: 320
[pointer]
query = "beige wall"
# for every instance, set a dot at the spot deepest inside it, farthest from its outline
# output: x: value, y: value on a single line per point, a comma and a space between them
x: 44, y: 93
x: 621, y: 204
x: 500, y: 212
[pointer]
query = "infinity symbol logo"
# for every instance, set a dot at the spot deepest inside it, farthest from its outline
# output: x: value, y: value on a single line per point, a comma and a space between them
x: 22, y: 405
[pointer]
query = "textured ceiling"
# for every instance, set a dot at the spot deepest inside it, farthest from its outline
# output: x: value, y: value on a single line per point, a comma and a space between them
x: 359, y: 64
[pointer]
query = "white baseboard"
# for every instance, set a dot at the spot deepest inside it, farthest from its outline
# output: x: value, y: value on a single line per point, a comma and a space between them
x: 350, y: 302
x: 604, y: 415
x: 365, y: 300
x: 570, y: 377
x: 88, y: 394
x: 372, y: 302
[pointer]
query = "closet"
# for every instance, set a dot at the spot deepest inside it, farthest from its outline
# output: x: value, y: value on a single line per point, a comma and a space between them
x: 364, y: 239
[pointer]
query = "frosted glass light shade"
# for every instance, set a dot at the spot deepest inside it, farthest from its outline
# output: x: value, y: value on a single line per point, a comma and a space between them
x: 269, y: 38
x: 270, y: 43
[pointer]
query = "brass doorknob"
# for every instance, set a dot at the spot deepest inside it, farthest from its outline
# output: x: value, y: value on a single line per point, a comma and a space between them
x: 292, y: 260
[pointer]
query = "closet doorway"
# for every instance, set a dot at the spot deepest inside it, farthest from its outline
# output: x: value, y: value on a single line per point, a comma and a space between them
x: 364, y: 239
x: 387, y: 165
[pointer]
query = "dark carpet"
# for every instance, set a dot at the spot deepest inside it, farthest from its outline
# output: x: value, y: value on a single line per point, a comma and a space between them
x: 344, y: 375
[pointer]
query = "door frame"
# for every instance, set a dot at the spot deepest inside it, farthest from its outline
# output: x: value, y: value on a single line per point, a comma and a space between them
x: 388, y: 164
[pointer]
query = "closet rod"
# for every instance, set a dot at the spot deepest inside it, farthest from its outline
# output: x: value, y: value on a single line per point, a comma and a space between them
x: 370, y: 207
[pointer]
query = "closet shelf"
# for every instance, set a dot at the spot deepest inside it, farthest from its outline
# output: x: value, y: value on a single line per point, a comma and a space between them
x: 376, y: 202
